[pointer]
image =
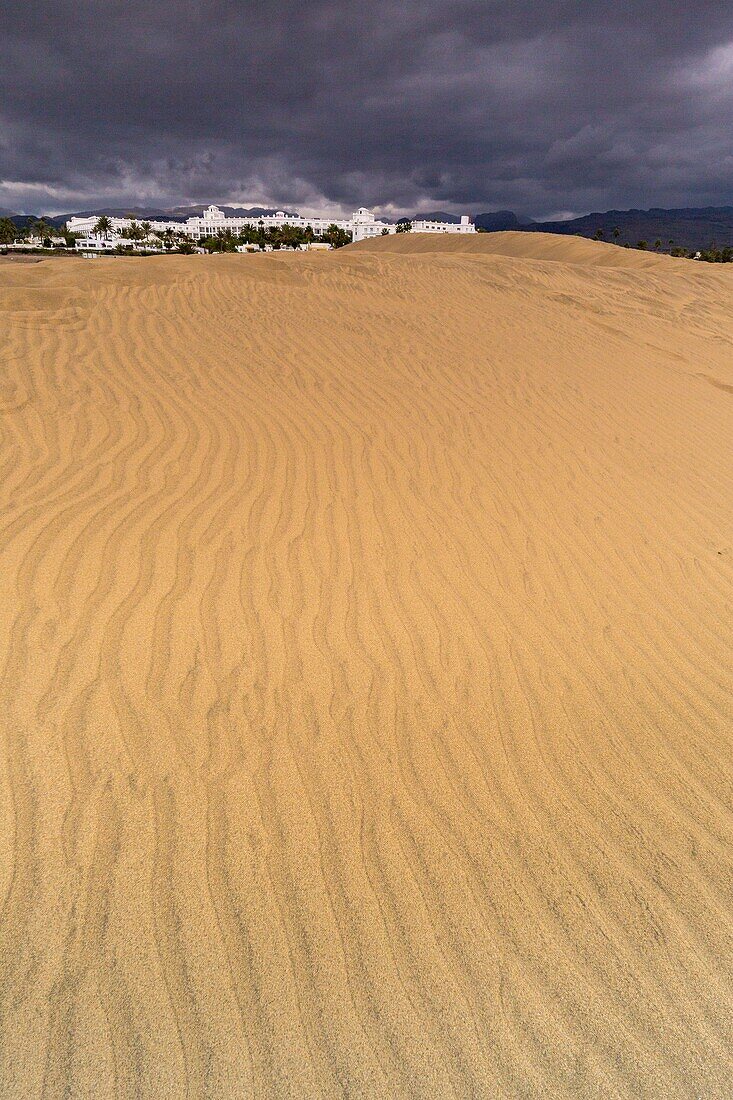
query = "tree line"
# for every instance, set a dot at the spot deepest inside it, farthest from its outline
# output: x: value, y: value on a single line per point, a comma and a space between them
x: 35, y: 229
x: 280, y: 236
x: 225, y: 240
x: 135, y: 232
x: 712, y: 254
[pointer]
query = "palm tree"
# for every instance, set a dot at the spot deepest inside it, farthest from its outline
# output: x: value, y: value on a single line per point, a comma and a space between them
x: 8, y: 231
x: 616, y: 233
x: 599, y: 234
x: 336, y: 237
x: 134, y: 231
x: 657, y: 244
x: 103, y: 226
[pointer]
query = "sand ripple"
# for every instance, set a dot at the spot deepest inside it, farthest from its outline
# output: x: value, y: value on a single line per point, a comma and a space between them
x: 364, y: 675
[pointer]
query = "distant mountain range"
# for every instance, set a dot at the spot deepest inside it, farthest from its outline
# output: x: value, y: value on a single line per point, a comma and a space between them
x: 687, y: 227
x: 184, y: 212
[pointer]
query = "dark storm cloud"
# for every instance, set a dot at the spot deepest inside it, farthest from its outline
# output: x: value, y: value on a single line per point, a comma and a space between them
x: 541, y: 107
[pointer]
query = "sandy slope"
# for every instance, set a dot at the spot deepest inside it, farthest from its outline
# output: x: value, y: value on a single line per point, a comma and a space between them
x: 364, y: 676
x: 518, y: 245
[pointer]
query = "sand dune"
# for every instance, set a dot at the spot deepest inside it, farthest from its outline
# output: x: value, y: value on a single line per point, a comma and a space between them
x: 364, y: 679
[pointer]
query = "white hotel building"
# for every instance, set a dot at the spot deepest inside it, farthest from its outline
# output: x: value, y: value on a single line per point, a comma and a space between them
x: 362, y: 224
x: 213, y: 221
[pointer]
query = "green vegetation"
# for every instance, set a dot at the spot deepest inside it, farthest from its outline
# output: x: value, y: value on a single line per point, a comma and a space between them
x: 285, y: 236
x: 134, y: 232
x: 8, y: 231
x: 404, y: 227
x: 624, y: 235
x: 710, y: 255
x: 103, y: 226
x: 33, y: 231
x: 336, y: 237
x: 714, y: 255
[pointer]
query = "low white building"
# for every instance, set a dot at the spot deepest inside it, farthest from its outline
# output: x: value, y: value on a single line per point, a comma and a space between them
x: 24, y: 243
x: 465, y: 225
x: 364, y: 226
x: 97, y: 243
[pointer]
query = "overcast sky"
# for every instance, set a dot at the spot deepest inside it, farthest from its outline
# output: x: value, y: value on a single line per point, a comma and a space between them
x: 547, y: 107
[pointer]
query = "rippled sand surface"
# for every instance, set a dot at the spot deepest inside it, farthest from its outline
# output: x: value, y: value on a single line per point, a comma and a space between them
x: 364, y: 675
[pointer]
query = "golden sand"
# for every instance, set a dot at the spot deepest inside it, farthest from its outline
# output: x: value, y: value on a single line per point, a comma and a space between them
x: 364, y: 675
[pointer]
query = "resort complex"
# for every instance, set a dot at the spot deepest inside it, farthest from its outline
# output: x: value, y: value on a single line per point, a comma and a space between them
x: 215, y: 222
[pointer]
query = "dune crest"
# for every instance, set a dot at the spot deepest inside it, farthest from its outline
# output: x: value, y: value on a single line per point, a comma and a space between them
x: 520, y: 245
x: 364, y: 690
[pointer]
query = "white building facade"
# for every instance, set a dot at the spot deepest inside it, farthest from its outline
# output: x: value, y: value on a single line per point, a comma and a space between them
x: 362, y: 224
x: 465, y: 225
x: 213, y: 221
x: 85, y: 226
x: 96, y: 243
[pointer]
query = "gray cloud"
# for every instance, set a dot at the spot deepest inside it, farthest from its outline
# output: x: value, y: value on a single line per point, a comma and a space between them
x: 539, y: 106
